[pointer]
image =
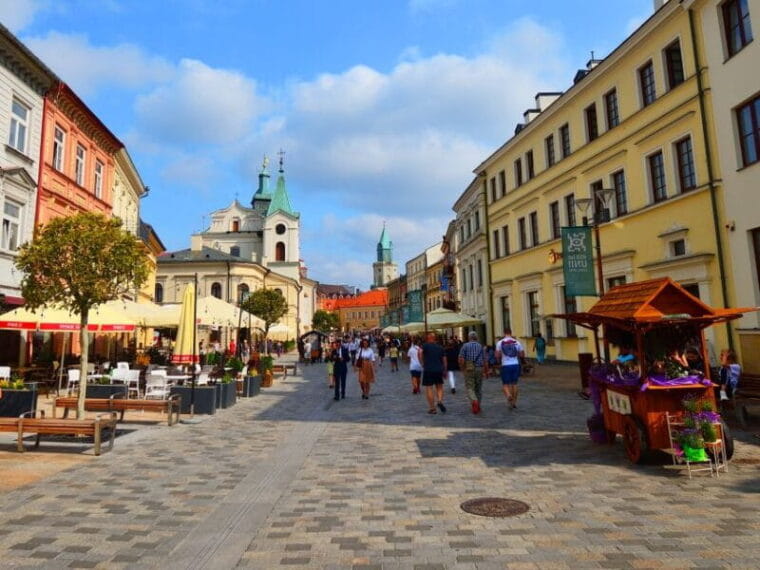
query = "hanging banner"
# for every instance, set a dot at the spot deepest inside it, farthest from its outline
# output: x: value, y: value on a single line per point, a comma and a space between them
x: 383, y: 321
x: 578, y: 261
x: 393, y: 317
x: 405, y: 314
x: 416, y: 314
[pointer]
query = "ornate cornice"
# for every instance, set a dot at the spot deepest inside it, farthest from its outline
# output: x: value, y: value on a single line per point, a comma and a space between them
x: 22, y: 63
x: 86, y: 121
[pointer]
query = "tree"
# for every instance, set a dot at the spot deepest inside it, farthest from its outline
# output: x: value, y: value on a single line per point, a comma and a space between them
x: 325, y: 321
x: 77, y: 263
x: 267, y: 304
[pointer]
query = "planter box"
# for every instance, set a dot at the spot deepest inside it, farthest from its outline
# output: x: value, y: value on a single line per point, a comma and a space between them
x: 205, y: 398
x: 228, y: 394
x: 16, y: 402
x: 106, y: 390
x: 251, y: 386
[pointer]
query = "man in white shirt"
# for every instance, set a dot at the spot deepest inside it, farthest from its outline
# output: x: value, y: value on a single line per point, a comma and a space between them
x: 510, y: 351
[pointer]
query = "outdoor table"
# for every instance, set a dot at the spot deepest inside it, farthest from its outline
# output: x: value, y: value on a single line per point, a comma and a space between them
x: 175, y: 379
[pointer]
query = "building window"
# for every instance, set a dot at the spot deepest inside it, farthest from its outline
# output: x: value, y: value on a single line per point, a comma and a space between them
x: 470, y: 282
x: 235, y: 251
x: 493, y: 189
x: 518, y: 173
x: 158, y: 293
x: 235, y: 225
x: 674, y: 64
x: 280, y: 229
x: 59, y: 140
x: 279, y: 251
x: 79, y: 165
x: 464, y: 280
x: 480, y: 272
x: 506, y: 318
x: 19, y: 125
x: 621, y: 199
x: 550, y: 157
x: 601, y: 214
x: 692, y: 288
x: 11, y: 225
x: 505, y: 235
x: 521, y: 235
x: 756, y: 251
x: 736, y: 25
x: 685, y: 160
x: 615, y: 281
x: 570, y: 209
x: 503, y: 183
x: 657, y: 177
x: 646, y: 84
x: 571, y: 306
x: 533, y: 314
x: 533, y: 228
x: 243, y: 292
x: 216, y: 290
x: 98, y: 179
x: 564, y: 140
x: 611, y: 109
x: 469, y: 228
x: 477, y: 221
x: 748, y: 119
x: 554, y: 219
x: 678, y: 247
x: 496, y: 252
x: 461, y: 234
x: 592, y: 125
x: 529, y: 164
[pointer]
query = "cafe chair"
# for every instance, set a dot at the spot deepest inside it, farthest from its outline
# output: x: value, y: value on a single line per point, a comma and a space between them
x: 132, y: 380
x: 73, y: 380
x: 5, y: 372
x: 156, y: 387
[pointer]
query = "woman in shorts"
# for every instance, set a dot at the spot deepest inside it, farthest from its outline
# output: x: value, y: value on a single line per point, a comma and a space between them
x: 415, y: 365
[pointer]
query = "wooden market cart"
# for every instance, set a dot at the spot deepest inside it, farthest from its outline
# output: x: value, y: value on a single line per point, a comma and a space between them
x: 639, y: 311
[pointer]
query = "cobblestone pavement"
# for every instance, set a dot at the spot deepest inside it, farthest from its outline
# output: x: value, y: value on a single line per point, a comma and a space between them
x: 292, y: 478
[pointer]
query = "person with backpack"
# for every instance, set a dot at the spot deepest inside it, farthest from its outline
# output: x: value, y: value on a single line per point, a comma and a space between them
x: 510, y: 351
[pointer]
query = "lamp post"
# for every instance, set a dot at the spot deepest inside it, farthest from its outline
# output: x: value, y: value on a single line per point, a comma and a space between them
x: 603, y: 197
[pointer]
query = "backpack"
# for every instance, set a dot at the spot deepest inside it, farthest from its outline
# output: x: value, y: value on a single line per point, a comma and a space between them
x: 509, y: 349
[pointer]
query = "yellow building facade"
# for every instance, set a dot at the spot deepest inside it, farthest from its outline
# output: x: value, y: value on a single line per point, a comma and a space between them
x: 634, y: 123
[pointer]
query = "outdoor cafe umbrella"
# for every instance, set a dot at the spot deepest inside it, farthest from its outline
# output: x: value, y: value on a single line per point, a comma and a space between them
x: 391, y: 329
x: 412, y: 327
x: 184, y: 349
x: 445, y: 319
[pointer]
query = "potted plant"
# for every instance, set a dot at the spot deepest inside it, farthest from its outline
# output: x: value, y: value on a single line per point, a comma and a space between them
x: 699, y: 427
x: 228, y: 391
x: 251, y: 385
x: 17, y: 398
x: 267, y: 363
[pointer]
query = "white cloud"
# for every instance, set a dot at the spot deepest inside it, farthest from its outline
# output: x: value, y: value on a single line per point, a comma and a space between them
x: 87, y: 68
x: 18, y: 14
x: 200, y: 105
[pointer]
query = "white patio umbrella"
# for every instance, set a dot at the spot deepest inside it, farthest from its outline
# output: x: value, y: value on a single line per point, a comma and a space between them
x: 391, y: 329
x: 412, y: 327
x: 445, y: 319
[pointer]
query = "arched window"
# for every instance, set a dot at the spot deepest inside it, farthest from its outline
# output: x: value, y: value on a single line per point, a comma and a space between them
x: 235, y: 250
x: 236, y: 225
x: 243, y: 292
x: 279, y: 251
x: 158, y: 296
x: 216, y: 290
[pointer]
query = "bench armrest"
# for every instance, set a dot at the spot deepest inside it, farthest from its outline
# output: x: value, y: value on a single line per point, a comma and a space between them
x: 31, y: 414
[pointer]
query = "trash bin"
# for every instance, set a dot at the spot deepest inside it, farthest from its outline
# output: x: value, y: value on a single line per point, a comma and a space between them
x: 585, y: 360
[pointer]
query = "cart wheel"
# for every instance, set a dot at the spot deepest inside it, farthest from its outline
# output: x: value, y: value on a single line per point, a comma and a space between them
x: 611, y: 436
x: 634, y: 439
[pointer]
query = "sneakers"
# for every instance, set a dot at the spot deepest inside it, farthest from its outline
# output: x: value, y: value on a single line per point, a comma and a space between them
x: 432, y: 411
x: 442, y: 407
x: 475, y: 407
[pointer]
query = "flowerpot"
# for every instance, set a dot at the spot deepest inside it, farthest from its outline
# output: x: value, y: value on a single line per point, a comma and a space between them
x: 251, y: 386
x: 268, y: 379
x: 205, y: 398
x: 228, y: 395
x: 695, y: 454
x: 16, y: 402
x: 106, y: 390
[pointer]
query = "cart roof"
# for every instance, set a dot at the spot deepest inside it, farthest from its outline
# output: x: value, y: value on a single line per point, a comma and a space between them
x: 650, y: 302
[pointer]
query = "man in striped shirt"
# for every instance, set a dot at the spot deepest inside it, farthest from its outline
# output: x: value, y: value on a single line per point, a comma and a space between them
x: 472, y: 360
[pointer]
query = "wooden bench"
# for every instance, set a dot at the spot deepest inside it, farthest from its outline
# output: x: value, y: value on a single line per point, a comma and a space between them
x: 28, y: 424
x: 171, y: 406
x: 747, y: 393
x: 279, y: 370
x: 293, y: 367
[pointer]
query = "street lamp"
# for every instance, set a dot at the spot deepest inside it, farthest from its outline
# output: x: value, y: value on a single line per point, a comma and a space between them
x: 601, y: 197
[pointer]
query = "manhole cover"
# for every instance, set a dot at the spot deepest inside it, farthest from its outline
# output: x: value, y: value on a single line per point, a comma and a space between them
x: 494, y: 507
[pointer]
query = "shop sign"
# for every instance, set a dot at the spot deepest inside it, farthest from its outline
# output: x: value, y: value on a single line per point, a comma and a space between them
x: 578, y: 261
x: 617, y: 402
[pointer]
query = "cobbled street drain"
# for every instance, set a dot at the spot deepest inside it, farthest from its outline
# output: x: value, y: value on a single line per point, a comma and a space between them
x: 494, y: 507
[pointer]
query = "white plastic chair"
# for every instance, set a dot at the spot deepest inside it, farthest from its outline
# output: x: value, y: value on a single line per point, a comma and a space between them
x: 201, y: 379
x: 119, y: 375
x: 73, y: 380
x: 132, y: 380
x: 156, y: 387
x: 5, y: 372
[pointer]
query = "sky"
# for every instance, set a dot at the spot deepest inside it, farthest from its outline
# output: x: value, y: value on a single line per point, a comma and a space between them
x: 382, y: 107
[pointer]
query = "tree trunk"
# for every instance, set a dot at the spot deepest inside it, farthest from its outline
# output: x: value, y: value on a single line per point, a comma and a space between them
x: 84, y: 341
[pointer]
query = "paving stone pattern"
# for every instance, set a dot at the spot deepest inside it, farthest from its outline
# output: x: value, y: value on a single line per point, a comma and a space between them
x: 294, y: 479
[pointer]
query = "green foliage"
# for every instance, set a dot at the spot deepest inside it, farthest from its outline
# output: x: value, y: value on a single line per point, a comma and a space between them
x: 227, y: 378
x: 235, y: 363
x: 156, y: 356
x: 15, y: 384
x: 325, y: 321
x: 267, y: 363
x: 267, y: 304
x: 213, y: 358
x: 289, y: 345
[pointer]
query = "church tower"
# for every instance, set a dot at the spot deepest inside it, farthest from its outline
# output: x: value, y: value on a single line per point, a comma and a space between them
x: 384, y: 270
x: 282, y: 228
x: 263, y: 196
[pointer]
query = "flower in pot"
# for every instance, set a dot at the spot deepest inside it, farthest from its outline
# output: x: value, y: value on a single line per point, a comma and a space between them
x: 267, y: 363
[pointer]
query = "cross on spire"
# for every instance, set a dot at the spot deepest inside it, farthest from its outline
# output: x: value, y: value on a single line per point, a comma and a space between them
x: 282, y: 159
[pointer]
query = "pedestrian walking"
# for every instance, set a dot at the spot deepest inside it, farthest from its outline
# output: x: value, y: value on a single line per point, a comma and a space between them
x: 330, y: 365
x: 452, y: 363
x: 510, y: 351
x: 415, y: 365
x: 539, y: 347
x: 474, y: 364
x: 393, y: 355
x: 307, y: 352
x: 365, y: 368
x: 381, y: 350
x: 341, y: 356
x: 433, y: 371
x: 353, y: 349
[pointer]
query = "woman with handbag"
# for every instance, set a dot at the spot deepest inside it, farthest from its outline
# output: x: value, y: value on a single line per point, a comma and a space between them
x: 365, y: 367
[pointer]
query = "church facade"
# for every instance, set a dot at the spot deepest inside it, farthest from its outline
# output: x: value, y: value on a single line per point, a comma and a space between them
x: 245, y: 249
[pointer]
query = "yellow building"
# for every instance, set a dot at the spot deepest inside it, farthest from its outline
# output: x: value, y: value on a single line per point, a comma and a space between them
x: 633, y: 123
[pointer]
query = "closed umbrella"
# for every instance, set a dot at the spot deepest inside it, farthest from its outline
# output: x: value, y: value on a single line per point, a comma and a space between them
x: 184, y: 348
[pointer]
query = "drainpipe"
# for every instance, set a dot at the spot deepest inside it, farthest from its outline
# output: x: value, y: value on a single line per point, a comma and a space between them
x: 487, y: 228
x: 710, y: 173
x: 43, y: 143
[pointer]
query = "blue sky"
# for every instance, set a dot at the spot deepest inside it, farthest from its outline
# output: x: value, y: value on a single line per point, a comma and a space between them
x: 383, y: 107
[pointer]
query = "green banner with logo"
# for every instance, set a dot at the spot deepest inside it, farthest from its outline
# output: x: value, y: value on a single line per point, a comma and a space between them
x: 416, y: 310
x: 405, y: 314
x: 578, y: 261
